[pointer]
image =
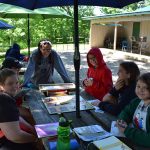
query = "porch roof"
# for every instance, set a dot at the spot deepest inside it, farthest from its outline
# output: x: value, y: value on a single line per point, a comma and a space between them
x: 142, y: 11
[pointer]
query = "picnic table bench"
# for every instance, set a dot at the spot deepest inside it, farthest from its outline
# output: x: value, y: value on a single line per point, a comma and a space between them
x: 88, y: 117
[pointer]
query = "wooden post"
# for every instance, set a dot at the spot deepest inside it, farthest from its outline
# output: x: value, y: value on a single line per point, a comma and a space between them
x: 115, y: 36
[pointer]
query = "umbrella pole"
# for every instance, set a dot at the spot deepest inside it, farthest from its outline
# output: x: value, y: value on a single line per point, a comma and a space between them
x: 76, y: 58
x: 28, y: 36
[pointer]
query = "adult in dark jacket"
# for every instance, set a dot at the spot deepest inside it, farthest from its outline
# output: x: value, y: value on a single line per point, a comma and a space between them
x: 14, y: 52
x: 124, y: 89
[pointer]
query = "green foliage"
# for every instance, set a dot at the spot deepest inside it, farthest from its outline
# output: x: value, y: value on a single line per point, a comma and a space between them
x: 128, y: 8
x: 54, y: 28
x: 49, y: 28
x: 110, y: 10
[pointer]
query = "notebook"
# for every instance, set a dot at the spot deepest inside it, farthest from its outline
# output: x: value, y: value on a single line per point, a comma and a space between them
x: 45, y: 130
x: 111, y: 143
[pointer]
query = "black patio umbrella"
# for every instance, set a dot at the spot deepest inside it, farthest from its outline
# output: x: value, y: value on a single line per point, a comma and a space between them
x: 33, y: 4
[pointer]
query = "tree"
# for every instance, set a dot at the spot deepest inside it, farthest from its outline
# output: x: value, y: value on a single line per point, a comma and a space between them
x: 48, y: 28
x: 128, y: 8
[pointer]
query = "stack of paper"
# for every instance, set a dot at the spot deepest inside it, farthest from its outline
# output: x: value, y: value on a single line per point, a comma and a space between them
x: 91, y: 133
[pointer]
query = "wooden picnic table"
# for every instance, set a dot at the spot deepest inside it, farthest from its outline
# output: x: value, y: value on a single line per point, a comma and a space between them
x: 88, y: 117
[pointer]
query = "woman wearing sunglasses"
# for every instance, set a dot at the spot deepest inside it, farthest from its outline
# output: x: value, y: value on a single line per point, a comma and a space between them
x: 41, y: 66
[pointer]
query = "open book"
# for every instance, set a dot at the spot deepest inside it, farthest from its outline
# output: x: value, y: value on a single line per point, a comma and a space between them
x: 111, y: 143
x: 91, y: 133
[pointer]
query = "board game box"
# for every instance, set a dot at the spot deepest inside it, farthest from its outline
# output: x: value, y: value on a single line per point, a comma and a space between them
x: 60, y: 104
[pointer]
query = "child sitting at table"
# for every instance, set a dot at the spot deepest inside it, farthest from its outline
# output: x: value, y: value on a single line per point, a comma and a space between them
x: 138, y: 113
x: 99, y: 76
x: 12, y: 63
x: 12, y: 137
x: 123, y: 91
x: 15, y: 65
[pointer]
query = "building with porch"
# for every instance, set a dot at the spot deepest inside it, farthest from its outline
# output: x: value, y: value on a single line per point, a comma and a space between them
x: 127, y: 31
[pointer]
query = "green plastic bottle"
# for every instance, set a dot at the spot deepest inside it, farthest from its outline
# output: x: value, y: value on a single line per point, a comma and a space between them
x: 63, y: 131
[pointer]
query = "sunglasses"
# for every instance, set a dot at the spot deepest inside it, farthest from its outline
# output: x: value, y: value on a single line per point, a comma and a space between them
x: 46, y: 42
x: 48, y: 50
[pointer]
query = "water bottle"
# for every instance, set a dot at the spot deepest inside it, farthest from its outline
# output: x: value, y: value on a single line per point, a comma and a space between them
x: 63, y: 131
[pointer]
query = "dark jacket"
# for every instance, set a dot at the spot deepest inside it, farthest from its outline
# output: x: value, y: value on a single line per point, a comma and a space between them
x: 123, y: 96
x: 14, y: 52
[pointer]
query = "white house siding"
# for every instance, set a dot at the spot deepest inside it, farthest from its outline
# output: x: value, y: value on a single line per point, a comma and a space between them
x: 145, y: 31
x: 99, y: 33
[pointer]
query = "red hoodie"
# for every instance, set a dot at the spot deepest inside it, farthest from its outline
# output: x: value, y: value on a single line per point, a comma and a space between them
x: 102, y: 76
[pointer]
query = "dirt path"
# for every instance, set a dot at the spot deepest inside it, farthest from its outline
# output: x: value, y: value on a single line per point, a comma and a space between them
x: 112, y: 58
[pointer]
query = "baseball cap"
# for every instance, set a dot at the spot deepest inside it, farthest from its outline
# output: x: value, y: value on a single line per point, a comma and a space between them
x: 11, y: 62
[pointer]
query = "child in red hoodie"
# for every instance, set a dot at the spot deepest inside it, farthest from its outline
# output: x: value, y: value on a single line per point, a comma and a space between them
x: 99, y: 76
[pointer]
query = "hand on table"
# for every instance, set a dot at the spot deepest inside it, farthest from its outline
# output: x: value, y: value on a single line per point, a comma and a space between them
x: 88, y: 82
x: 121, y: 125
x: 95, y: 102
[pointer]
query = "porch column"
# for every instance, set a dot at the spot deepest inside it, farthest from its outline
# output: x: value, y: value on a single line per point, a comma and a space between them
x: 115, y: 36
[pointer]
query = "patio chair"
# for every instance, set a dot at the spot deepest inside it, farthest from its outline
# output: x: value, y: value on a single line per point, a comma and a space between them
x: 133, y: 41
x: 143, y: 46
x: 108, y: 43
x: 125, y: 45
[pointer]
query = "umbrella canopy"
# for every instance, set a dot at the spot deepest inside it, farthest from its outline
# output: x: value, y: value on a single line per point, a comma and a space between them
x: 11, y: 11
x: 4, y: 25
x: 33, y: 4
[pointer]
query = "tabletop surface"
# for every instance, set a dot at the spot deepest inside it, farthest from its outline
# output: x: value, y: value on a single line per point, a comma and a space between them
x: 87, y: 117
